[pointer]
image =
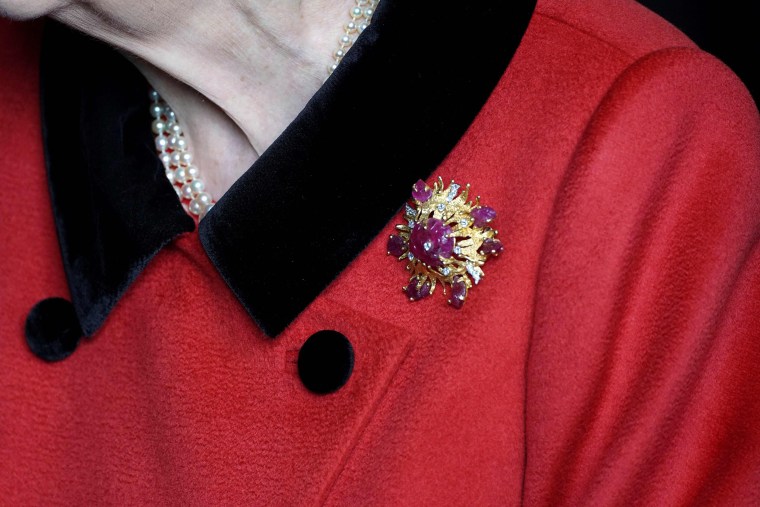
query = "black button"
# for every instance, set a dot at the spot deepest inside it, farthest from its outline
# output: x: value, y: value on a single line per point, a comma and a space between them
x: 325, y: 361
x: 52, y: 329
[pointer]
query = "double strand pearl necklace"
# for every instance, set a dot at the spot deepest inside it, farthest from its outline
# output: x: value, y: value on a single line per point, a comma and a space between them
x: 171, y: 145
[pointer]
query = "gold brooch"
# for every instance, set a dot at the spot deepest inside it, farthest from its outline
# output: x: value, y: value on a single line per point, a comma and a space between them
x: 446, y: 240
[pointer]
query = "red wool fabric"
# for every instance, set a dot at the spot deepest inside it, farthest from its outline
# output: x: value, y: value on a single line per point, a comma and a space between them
x: 609, y: 357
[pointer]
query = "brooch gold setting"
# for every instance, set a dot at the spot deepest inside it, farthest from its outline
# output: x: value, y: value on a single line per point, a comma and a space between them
x: 446, y: 240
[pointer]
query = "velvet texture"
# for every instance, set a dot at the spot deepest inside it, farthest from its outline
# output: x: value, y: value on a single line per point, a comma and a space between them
x: 608, y: 357
x: 52, y: 329
x: 325, y: 361
x: 113, y: 207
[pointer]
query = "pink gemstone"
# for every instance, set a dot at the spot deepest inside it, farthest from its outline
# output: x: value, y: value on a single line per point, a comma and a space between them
x: 396, y: 246
x: 414, y: 293
x: 482, y: 215
x: 430, y: 242
x: 421, y: 192
x: 458, y: 293
x: 491, y: 246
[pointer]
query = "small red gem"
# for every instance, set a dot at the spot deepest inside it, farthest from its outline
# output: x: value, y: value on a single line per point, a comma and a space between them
x: 491, y: 246
x: 458, y: 293
x: 396, y: 246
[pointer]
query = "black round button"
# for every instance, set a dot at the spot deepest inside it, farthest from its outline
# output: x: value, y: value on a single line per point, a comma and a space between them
x: 52, y: 329
x: 325, y: 361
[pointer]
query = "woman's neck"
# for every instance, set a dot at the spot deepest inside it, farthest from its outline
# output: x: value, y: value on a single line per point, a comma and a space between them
x: 235, y: 72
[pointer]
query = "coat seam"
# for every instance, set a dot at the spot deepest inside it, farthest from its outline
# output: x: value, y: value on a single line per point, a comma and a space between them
x: 337, y: 472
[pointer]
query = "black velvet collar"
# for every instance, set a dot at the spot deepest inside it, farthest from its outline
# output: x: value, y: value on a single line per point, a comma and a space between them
x: 403, y: 97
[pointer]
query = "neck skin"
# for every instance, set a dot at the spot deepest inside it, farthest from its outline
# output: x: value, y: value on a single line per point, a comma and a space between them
x: 236, y: 72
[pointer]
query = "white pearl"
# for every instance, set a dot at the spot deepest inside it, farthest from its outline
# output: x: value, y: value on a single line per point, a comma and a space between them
x: 204, y: 198
x: 170, y: 116
x: 181, y: 144
x: 193, y: 172
x: 166, y: 159
x: 197, y: 186
x: 172, y: 142
x: 156, y: 111
x: 161, y: 143
x: 154, y: 97
x: 180, y: 175
x: 368, y: 12
x: 187, y: 191
x: 177, y: 190
x: 351, y: 27
x: 197, y: 206
x: 187, y: 158
x: 363, y: 27
x: 176, y: 158
x: 339, y: 53
x: 158, y: 126
x: 170, y: 175
x: 356, y: 12
x: 176, y: 129
x: 346, y: 40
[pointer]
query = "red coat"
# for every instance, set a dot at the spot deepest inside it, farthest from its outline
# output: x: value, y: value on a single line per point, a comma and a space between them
x: 609, y: 356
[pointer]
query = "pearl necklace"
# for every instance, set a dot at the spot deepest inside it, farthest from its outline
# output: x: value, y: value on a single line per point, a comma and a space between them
x: 171, y: 145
